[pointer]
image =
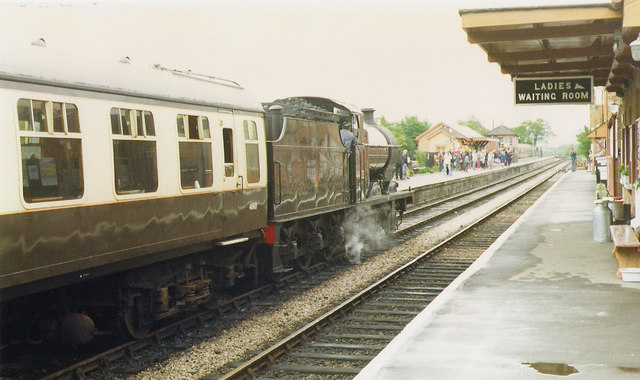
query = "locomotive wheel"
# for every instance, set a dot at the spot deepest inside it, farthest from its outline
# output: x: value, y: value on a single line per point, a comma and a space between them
x: 136, y: 321
x: 399, y: 215
x: 303, y: 256
x: 327, y: 252
x: 375, y: 189
x: 304, y: 262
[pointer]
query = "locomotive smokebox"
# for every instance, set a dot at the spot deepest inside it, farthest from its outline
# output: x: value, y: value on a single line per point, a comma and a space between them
x: 383, y: 148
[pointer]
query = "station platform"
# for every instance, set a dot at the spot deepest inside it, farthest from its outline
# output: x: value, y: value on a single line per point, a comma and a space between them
x: 418, y: 180
x: 542, y: 301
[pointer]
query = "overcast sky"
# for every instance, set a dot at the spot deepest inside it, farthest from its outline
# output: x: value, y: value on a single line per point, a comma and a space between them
x: 401, y: 57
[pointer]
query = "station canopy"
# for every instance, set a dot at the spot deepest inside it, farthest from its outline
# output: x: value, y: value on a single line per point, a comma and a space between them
x: 557, y: 41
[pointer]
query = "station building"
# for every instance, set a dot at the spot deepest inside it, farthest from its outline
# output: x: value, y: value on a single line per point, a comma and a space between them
x: 442, y: 137
x: 554, y: 43
x: 506, y: 136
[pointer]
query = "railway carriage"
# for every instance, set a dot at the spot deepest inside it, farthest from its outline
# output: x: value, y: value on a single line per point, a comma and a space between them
x: 138, y: 167
x: 141, y: 192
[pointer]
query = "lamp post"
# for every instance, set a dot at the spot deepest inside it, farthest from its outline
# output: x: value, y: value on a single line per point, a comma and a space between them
x: 614, y: 106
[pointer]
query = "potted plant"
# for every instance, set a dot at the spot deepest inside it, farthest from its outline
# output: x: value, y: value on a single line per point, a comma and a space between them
x: 624, y: 175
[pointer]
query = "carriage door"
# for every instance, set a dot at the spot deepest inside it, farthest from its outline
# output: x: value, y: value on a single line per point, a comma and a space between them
x: 231, y: 181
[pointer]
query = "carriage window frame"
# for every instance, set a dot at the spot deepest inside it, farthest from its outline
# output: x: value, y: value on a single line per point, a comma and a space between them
x: 227, y: 147
x: 53, y: 170
x: 135, y: 151
x: 194, y: 151
x: 252, y: 151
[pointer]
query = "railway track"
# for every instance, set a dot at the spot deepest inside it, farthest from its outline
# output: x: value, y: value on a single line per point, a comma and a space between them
x: 424, y: 214
x: 339, y: 343
x: 104, y: 359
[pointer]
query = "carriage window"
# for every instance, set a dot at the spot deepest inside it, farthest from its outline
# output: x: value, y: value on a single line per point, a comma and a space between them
x: 115, y: 122
x: 196, y: 165
x: 180, y: 121
x: 134, y: 151
x: 150, y: 127
x: 252, y: 151
x: 51, y: 151
x: 134, y: 123
x: 25, y: 117
x: 139, y: 123
x: 73, y: 124
x: 58, y: 121
x: 227, y: 142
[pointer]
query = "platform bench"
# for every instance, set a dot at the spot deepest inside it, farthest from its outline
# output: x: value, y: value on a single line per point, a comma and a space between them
x: 626, y: 247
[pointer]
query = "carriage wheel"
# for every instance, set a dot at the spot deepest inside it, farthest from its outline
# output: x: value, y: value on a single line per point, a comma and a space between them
x: 135, y: 321
x: 253, y: 271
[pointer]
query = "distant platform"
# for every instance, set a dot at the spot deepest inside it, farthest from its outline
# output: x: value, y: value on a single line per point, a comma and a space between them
x: 418, y: 180
x: 542, y: 300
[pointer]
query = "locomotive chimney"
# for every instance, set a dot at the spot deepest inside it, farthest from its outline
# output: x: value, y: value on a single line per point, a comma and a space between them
x: 368, y: 115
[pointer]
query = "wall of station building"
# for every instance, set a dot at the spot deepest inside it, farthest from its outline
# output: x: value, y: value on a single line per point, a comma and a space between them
x: 623, y: 146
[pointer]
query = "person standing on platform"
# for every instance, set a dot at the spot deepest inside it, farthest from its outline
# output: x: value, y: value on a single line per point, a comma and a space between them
x: 573, y: 160
x: 399, y: 163
x: 405, y: 164
x: 447, y: 163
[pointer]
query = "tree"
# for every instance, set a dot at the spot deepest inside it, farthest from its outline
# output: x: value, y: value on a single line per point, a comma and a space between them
x: 406, y: 131
x: 584, y: 143
x: 474, y: 124
x: 533, y: 132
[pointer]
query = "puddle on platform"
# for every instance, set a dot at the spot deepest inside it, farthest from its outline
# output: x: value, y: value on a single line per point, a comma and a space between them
x: 629, y: 369
x: 558, y: 369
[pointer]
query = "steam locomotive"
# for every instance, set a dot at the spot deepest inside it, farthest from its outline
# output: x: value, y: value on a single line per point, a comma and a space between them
x: 136, y: 193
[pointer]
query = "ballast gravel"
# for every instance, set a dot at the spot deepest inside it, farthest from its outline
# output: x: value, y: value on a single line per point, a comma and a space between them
x: 234, y: 343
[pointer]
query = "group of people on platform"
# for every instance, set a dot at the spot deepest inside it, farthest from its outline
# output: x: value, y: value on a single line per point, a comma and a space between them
x: 402, y: 165
x: 462, y: 161
x: 449, y: 161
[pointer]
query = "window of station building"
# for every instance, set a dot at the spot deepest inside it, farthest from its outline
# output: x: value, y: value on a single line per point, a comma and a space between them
x: 50, y: 150
x: 194, y: 140
x: 134, y: 151
x: 227, y: 143
x: 252, y: 151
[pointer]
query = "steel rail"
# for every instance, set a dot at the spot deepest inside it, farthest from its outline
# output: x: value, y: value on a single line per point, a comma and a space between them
x: 78, y: 370
x: 248, y: 369
x: 451, y: 210
x: 526, y: 176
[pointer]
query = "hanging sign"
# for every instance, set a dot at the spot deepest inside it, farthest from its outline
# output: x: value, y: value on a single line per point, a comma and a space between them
x: 569, y: 90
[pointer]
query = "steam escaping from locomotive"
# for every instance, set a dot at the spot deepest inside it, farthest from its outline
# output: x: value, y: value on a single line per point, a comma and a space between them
x: 363, y: 229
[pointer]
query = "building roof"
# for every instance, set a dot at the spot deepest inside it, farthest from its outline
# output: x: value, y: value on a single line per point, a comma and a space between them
x: 457, y: 132
x: 467, y: 132
x: 501, y: 130
x: 559, y: 41
x: 599, y: 132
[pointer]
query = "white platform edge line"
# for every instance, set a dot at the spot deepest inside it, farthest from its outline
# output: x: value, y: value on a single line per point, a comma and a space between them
x: 425, y: 316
